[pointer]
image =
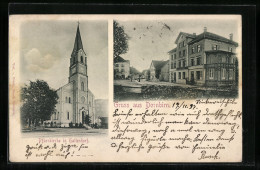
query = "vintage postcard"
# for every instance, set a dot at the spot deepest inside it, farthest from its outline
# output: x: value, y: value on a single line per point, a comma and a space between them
x: 125, y: 88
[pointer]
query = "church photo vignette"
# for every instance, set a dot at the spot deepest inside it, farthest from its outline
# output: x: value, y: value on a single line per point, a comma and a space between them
x: 59, y: 68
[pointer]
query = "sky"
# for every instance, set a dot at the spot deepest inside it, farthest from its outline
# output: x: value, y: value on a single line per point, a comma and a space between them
x: 151, y: 39
x: 46, y: 47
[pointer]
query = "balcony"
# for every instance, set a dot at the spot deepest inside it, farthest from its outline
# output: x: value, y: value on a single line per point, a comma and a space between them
x: 219, y: 65
x: 182, y: 68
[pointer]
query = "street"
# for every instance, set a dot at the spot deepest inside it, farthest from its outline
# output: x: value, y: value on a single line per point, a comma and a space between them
x: 135, y: 83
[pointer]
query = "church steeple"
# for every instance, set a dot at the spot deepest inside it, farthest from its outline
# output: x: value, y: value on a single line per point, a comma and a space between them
x: 78, y: 60
x: 78, y: 43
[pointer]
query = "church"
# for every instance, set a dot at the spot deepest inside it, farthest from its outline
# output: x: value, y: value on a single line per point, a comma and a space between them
x: 75, y: 99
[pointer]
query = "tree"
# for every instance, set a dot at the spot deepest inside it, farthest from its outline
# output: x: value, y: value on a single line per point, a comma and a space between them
x: 38, y: 102
x: 120, y: 40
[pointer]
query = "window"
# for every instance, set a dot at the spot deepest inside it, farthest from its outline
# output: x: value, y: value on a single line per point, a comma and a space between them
x: 230, y: 74
x: 122, y: 65
x: 123, y: 70
x: 223, y: 59
x: 199, y: 75
x: 117, y: 65
x: 183, y: 75
x: 179, y: 64
x: 180, y: 54
x: 215, y: 47
x: 198, y: 61
x: 179, y: 45
x: 69, y: 99
x: 211, y: 73
x: 174, y: 65
x: 174, y: 56
x: 192, y: 50
x: 223, y: 70
x: 179, y: 75
x: 183, y: 54
x: 198, y: 48
x: 81, y: 59
x: 231, y: 60
x: 68, y: 115
x: 183, y: 63
x: 192, y: 62
x: 82, y: 86
x: 183, y: 43
x: 171, y: 65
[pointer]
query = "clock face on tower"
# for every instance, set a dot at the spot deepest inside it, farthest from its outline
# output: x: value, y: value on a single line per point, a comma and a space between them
x: 82, y: 70
x: 82, y: 99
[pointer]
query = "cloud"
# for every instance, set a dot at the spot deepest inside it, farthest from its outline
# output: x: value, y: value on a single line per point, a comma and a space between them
x: 36, y: 62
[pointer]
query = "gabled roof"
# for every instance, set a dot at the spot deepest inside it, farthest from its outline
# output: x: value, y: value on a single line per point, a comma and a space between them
x: 78, y: 43
x: 118, y: 59
x: 159, y: 64
x: 173, y: 50
x: 186, y: 35
x: 209, y: 35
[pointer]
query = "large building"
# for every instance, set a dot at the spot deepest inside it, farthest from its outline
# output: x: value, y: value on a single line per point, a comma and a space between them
x: 121, y: 68
x: 156, y: 70
x: 205, y: 59
x: 75, y: 101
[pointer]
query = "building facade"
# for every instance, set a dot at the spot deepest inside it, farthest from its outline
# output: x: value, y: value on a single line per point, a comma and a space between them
x: 210, y: 60
x: 179, y: 58
x: 121, y: 68
x: 75, y: 101
x: 156, y: 70
x: 164, y: 76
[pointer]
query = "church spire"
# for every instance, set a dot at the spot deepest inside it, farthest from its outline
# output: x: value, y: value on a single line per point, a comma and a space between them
x: 78, y: 43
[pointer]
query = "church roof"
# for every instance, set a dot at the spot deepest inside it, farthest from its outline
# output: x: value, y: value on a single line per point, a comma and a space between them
x: 78, y: 43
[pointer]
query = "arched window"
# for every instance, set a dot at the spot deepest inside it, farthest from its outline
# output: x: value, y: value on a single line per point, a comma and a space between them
x: 81, y: 59
x: 69, y: 99
x: 82, y: 86
x: 68, y: 115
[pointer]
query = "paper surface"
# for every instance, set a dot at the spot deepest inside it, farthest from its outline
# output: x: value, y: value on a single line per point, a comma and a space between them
x: 174, y: 95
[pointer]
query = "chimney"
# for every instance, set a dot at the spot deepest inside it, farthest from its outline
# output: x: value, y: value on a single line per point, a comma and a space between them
x: 231, y: 37
x: 205, y: 29
x: 194, y: 34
